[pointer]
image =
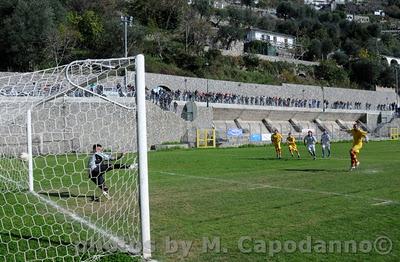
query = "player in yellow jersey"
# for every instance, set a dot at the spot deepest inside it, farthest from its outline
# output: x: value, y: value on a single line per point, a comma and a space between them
x: 276, y: 139
x: 291, y: 141
x: 358, y: 137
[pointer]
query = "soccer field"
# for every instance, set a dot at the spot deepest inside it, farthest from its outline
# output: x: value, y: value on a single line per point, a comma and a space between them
x: 242, y: 204
x: 259, y: 208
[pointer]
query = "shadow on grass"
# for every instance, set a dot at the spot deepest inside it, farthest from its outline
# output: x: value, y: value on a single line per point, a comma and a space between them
x: 311, y: 170
x: 46, y: 240
x: 263, y: 158
x: 67, y: 195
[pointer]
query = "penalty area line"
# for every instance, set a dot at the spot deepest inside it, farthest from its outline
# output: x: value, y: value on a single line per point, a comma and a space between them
x: 252, y: 186
x: 120, y: 243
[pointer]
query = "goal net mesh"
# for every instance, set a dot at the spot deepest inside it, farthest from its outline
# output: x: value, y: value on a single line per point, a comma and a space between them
x: 65, y: 216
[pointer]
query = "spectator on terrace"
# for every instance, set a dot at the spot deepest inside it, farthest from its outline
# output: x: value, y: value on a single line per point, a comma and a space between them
x: 131, y: 91
x: 119, y: 90
x: 99, y: 90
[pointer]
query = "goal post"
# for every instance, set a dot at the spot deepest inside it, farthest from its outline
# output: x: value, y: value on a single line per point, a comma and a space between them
x: 30, y: 160
x: 143, y: 163
x: 54, y: 203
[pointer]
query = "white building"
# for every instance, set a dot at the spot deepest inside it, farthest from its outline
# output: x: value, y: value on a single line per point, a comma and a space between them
x: 220, y: 4
x: 275, y: 39
x: 319, y: 4
x: 357, y: 18
x: 379, y: 13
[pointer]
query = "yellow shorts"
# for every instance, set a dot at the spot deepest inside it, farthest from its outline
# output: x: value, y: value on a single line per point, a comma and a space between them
x: 292, y: 147
x: 277, y: 147
x: 357, y: 148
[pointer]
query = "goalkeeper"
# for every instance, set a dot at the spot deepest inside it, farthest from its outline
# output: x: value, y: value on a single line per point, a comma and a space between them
x: 99, y: 164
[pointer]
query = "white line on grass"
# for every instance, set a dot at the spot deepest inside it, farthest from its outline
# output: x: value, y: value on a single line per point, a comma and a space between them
x: 261, y: 186
x: 383, y: 203
x: 120, y: 243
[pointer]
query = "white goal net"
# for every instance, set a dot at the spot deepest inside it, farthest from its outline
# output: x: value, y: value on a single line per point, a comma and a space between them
x: 73, y: 162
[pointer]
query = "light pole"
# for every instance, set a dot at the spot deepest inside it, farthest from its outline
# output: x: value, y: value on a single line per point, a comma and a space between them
x: 397, y: 87
x: 207, y: 93
x: 323, y: 98
x: 208, y: 97
x: 126, y: 20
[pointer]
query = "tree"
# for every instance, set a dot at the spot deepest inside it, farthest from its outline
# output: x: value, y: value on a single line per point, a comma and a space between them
x: 374, y: 30
x: 25, y: 33
x: 229, y: 34
x: 266, y: 23
x: 203, y: 7
x: 105, y: 8
x: 257, y: 47
x: 90, y: 26
x: 314, y: 50
x: 326, y: 47
x: 62, y: 41
x: 251, y: 61
x: 341, y: 58
x: 286, y: 10
x: 393, y: 11
x: 365, y: 72
x: 328, y: 70
x: 248, y: 3
x: 287, y: 27
x: 351, y: 47
x: 165, y: 14
x: 235, y: 16
x: 387, y: 77
x: 197, y: 33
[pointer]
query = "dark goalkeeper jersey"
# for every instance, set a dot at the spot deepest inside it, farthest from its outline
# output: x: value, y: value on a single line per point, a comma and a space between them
x: 97, y: 159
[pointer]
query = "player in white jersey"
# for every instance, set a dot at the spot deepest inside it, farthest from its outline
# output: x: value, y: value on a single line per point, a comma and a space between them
x: 309, y: 142
x: 326, y: 144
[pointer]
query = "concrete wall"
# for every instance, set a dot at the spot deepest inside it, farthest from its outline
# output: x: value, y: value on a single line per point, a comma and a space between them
x: 255, y: 113
x: 75, y: 124
x: 332, y: 94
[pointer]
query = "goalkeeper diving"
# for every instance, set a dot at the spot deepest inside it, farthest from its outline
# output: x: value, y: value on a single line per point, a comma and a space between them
x: 100, y: 163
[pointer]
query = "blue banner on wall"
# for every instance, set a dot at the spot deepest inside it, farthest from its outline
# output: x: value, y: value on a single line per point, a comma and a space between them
x: 255, y: 138
x: 235, y: 132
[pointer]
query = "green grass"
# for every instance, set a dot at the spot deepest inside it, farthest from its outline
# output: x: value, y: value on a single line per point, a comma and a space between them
x: 238, y: 193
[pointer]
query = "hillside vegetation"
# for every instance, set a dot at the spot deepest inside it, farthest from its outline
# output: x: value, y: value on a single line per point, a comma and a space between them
x: 183, y: 39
